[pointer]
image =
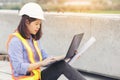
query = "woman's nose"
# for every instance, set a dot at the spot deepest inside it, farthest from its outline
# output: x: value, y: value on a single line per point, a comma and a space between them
x: 38, y: 26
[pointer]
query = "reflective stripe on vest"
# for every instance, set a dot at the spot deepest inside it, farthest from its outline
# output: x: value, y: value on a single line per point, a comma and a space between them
x: 36, y: 74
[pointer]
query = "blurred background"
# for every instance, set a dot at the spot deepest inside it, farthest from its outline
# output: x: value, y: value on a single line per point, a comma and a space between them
x: 89, y: 6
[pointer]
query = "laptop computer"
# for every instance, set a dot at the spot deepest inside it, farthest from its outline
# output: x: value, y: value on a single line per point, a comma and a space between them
x: 74, y: 46
x: 72, y: 49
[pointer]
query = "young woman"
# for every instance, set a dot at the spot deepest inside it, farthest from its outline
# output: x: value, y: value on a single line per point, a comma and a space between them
x: 26, y: 54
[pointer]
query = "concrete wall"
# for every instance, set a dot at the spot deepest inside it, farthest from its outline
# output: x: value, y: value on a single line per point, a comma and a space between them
x: 58, y: 29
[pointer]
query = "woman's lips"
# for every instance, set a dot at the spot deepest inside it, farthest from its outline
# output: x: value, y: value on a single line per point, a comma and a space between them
x: 36, y: 30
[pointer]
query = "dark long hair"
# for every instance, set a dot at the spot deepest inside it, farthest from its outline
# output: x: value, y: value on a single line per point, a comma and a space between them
x: 22, y: 28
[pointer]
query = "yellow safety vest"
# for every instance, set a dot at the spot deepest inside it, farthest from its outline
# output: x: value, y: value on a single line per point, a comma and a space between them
x: 35, y: 74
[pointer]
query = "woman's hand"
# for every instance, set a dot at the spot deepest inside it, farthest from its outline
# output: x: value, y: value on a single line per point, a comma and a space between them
x: 76, y: 52
x: 48, y: 60
x: 57, y: 58
x: 45, y: 62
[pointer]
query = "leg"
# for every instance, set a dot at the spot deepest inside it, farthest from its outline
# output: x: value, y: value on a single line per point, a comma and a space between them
x: 70, y: 72
x: 51, y: 72
x: 58, y: 68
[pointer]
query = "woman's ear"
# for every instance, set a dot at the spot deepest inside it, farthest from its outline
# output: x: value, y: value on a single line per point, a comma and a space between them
x: 27, y: 22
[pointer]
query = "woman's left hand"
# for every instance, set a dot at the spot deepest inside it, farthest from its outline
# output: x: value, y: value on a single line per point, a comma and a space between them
x: 76, y: 52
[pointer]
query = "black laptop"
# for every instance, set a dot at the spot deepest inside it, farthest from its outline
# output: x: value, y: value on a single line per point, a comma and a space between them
x: 73, y: 47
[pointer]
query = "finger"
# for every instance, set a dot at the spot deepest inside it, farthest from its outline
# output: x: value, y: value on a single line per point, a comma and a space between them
x: 78, y: 57
x: 76, y: 51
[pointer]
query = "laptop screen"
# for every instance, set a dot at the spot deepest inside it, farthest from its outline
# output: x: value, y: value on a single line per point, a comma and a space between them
x: 74, y: 45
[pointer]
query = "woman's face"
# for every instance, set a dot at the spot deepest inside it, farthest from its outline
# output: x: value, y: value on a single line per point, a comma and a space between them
x: 34, y: 26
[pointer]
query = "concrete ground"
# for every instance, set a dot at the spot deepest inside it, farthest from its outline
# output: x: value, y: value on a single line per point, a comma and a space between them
x: 5, y: 73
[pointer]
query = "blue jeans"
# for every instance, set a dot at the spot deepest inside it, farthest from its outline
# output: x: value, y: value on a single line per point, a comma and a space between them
x: 61, y: 67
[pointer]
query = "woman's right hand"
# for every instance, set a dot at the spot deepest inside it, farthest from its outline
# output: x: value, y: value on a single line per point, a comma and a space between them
x: 47, y: 61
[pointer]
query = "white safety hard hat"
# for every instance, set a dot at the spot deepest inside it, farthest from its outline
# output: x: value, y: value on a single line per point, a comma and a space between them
x: 32, y: 10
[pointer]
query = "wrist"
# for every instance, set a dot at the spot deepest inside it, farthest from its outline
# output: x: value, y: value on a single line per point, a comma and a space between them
x: 41, y: 64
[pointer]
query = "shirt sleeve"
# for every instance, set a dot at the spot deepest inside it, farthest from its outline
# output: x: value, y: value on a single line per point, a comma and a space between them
x: 44, y: 53
x: 15, y: 52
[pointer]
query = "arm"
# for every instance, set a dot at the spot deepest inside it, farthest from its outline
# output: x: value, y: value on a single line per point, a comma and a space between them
x: 15, y: 51
x: 40, y: 64
x: 46, y: 60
